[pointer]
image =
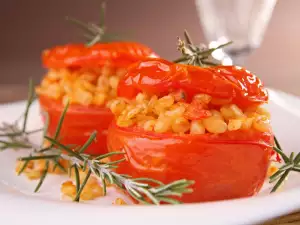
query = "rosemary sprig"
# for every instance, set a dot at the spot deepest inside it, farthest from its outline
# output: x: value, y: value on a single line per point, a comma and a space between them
x: 139, y: 188
x: 291, y: 163
x: 94, y: 32
x: 196, y: 55
x: 14, y: 135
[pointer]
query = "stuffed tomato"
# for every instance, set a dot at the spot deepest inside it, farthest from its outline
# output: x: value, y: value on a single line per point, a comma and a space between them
x: 176, y: 121
x: 87, y: 78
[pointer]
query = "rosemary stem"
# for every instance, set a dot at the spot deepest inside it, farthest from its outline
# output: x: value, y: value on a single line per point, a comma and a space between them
x: 29, y: 102
x: 77, y: 197
x: 77, y: 178
x: 42, y: 177
x: 281, y: 180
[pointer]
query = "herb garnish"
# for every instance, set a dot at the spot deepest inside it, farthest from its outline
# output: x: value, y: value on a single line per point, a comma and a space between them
x: 93, y: 32
x: 291, y: 163
x: 196, y: 55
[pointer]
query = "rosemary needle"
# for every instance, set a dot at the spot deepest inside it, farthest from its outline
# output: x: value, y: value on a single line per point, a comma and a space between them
x: 93, y: 32
x: 291, y: 163
x: 195, y: 55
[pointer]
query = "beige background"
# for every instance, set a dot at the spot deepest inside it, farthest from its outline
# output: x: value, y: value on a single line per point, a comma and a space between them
x: 29, y: 26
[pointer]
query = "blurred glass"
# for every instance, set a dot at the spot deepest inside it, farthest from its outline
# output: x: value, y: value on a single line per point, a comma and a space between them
x: 242, y: 21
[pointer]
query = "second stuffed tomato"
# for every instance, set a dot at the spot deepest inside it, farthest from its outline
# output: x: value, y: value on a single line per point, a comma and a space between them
x: 87, y: 78
x: 202, y: 124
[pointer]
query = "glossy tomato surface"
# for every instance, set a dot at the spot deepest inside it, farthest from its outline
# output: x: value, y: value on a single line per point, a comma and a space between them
x: 121, y: 54
x: 79, y: 123
x: 224, y: 166
x: 160, y: 77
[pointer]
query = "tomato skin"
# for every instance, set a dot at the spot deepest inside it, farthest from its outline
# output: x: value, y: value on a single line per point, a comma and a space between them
x: 225, y: 166
x: 159, y: 77
x: 121, y: 54
x: 80, y: 121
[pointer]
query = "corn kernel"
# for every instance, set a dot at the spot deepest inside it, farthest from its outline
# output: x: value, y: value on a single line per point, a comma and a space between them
x: 216, y: 114
x: 81, y: 86
x: 82, y: 176
x: 231, y: 112
x: 140, y: 98
x: 133, y: 113
x: 271, y: 170
x: 263, y: 111
x: 163, y: 104
x: 238, y: 113
x: 215, y: 125
x: 88, y: 86
x: 204, y: 98
x: 99, y: 98
x: 53, y: 91
x: 106, y: 70
x: 117, y: 106
x: 162, y: 125
x: 97, y: 190
x: 149, y: 125
x: 261, y: 123
x: 113, y: 82
x: 197, y: 127
x: 142, y: 119
x: 251, y: 114
x: 33, y: 174
x: 86, y: 194
x: 39, y: 165
x: 66, y: 86
x: 175, y: 111
x: 67, y: 99
x: 83, y: 97
x: 87, y: 76
x: 68, y: 189
x: 226, y: 112
x: 166, y: 101
x: 235, y: 124
x: 180, y: 125
x: 103, y: 83
x: 152, y: 102
x: 122, y: 122
x: 46, y: 82
x: 247, y: 123
x: 64, y: 72
x: 119, y: 201
x: 53, y: 75
x: 20, y: 164
x: 64, y: 164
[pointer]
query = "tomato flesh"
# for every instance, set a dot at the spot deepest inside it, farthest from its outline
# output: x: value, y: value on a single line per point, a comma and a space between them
x: 80, y: 121
x: 225, y: 166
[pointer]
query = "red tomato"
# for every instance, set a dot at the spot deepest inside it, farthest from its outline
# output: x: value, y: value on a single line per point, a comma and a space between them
x: 121, y: 54
x: 79, y: 123
x: 158, y: 76
x: 225, y: 166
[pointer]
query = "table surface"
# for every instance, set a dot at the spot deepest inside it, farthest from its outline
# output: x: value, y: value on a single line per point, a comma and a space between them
x: 10, y: 93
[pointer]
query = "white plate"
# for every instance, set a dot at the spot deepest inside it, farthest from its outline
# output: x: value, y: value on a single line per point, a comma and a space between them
x: 18, y: 204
